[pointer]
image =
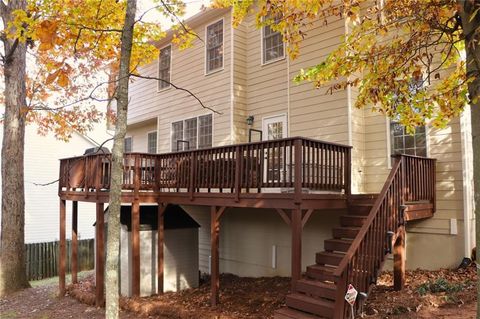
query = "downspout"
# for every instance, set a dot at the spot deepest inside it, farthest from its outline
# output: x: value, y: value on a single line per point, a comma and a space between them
x: 232, y: 88
x: 467, y: 169
x: 288, y: 93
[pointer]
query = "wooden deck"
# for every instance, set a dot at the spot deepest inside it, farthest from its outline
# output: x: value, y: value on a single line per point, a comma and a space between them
x: 294, y: 176
x: 285, y: 173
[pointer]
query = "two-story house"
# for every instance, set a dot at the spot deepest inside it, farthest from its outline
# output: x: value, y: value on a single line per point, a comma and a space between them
x: 324, y: 168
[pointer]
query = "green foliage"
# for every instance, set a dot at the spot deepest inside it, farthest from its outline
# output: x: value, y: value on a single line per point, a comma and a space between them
x: 441, y: 285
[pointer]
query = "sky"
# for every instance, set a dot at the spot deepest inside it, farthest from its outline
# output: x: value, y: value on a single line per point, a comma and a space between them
x: 193, y: 7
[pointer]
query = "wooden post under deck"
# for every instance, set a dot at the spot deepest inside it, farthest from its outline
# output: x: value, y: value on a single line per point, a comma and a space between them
x: 399, y: 255
x: 160, y: 242
x: 74, y: 242
x: 99, y: 256
x: 63, y: 251
x: 296, y: 224
x: 136, y: 248
x: 215, y: 262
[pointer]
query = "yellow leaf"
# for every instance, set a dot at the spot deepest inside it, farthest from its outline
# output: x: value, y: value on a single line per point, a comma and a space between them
x: 51, y: 77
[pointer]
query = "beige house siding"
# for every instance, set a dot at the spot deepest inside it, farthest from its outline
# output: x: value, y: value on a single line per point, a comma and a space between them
x: 445, y: 146
x: 139, y: 134
x: 187, y: 71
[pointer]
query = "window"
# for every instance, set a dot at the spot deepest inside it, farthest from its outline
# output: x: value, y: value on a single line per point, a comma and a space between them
x: 192, y: 133
x: 127, y: 145
x: 205, y: 131
x: 404, y: 143
x: 272, y: 44
x: 164, y: 67
x: 152, y: 142
x: 214, y: 55
x: 177, y: 135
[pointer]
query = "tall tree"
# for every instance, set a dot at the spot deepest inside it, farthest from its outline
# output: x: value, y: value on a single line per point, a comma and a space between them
x: 116, y: 179
x: 12, y: 259
x: 390, y: 45
x: 68, y: 43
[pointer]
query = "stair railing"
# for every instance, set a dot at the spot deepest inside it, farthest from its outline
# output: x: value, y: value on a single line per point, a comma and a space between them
x: 411, y: 178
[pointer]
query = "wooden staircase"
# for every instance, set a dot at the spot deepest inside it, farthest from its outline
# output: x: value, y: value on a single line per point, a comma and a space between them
x: 314, y: 295
x: 360, y: 244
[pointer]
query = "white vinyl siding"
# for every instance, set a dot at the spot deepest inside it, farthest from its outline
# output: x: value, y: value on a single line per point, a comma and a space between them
x: 196, y: 132
x: 214, y: 55
x: 164, y: 66
x: 127, y: 144
x: 152, y: 142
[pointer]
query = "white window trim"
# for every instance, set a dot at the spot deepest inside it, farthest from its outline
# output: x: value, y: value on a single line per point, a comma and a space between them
x: 389, y: 142
x: 189, y: 118
x: 262, y: 63
x: 158, y: 68
x: 156, y: 146
x: 131, y: 143
x: 206, y: 48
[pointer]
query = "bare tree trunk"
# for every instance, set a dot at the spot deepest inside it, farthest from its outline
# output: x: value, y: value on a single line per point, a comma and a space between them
x: 470, y: 23
x: 113, y: 237
x: 12, y: 258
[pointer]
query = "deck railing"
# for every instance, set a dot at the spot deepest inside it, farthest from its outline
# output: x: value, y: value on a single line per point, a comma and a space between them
x: 412, y: 179
x: 296, y: 163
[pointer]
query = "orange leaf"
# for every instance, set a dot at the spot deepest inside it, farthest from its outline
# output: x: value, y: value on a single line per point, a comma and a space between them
x: 51, y: 77
x: 63, y: 79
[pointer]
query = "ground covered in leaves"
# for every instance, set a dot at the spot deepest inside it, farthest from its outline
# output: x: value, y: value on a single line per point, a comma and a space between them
x: 428, y: 294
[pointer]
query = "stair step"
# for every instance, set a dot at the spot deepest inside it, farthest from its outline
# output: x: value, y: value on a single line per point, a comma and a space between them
x: 320, y: 307
x: 316, y: 288
x: 345, y: 232
x: 328, y: 258
x: 362, y: 199
x: 320, y: 272
x: 337, y: 244
x: 352, y: 220
x: 289, y: 313
x: 360, y: 209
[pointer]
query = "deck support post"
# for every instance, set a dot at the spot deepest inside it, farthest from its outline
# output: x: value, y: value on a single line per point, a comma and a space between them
x: 215, y: 263
x: 160, y: 243
x: 399, y: 255
x: 74, y: 242
x: 99, y: 256
x: 296, y: 224
x: 63, y: 251
x: 136, y: 248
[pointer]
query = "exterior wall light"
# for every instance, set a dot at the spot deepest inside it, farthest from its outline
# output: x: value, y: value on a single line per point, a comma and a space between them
x: 250, y: 120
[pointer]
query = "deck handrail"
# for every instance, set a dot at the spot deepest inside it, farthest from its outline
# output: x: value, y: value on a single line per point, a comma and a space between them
x: 294, y: 162
x: 412, y: 178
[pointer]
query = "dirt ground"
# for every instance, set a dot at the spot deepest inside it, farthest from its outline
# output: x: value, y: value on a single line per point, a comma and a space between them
x: 428, y: 294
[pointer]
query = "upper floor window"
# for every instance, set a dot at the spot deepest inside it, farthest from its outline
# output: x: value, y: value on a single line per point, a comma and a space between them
x: 152, y: 142
x: 272, y: 44
x: 164, y: 63
x: 127, y: 144
x: 192, y: 133
x: 214, y: 54
x: 404, y: 143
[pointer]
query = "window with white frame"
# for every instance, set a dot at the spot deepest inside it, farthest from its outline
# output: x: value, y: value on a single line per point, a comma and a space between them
x: 127, y: 144
x: 272, y: 44
x: 192, y: 133
x: 214, y: 54
x: 164, y: 64
x: 404, y: 143
x: 152, y: 142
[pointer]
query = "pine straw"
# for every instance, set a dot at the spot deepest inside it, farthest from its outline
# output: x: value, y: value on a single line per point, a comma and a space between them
x: 240, y: 297
x: 260, y: 297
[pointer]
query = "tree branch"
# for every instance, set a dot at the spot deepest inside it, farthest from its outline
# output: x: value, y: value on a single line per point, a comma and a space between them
x: 177, y: 88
